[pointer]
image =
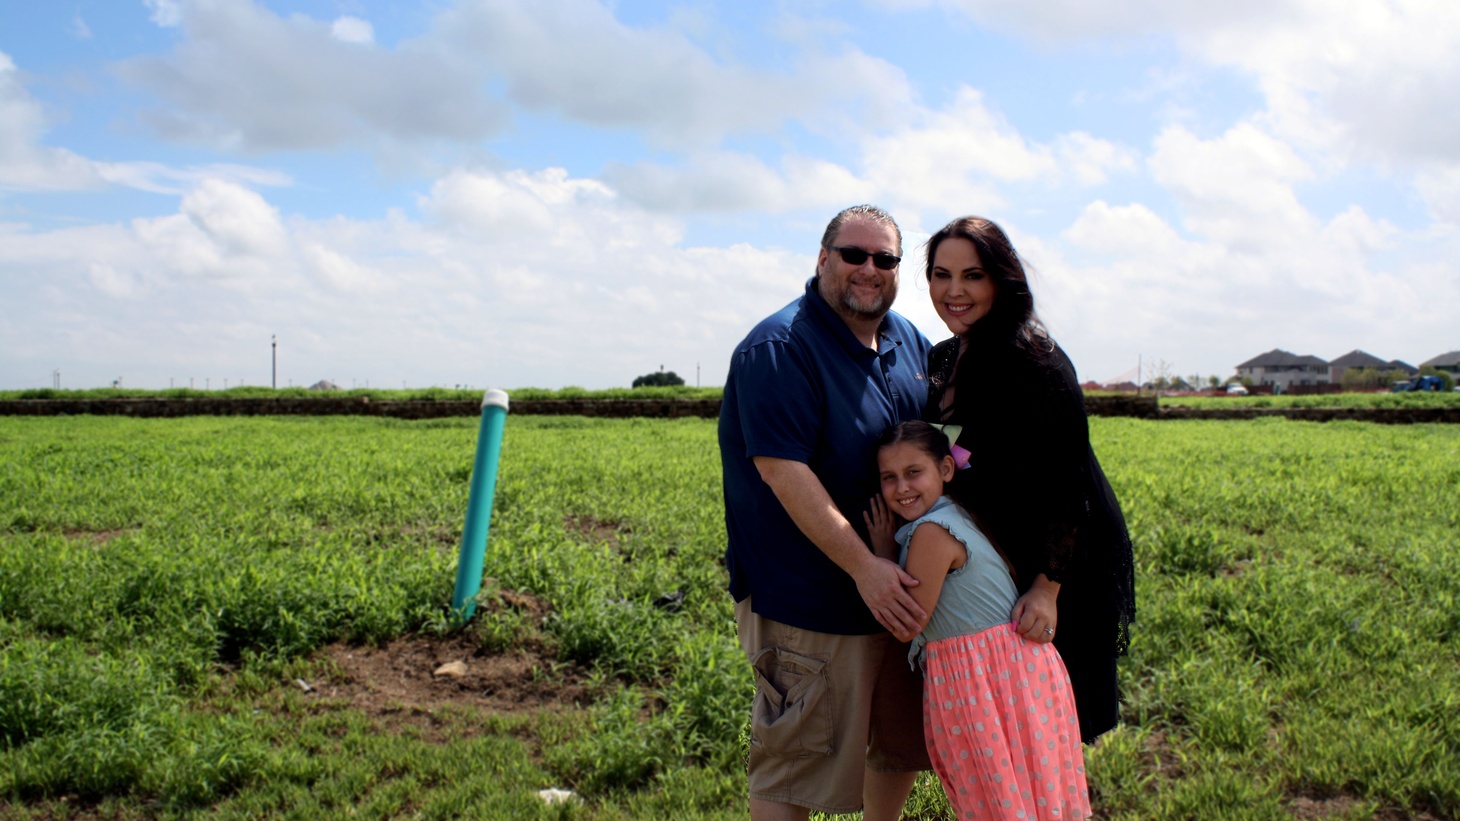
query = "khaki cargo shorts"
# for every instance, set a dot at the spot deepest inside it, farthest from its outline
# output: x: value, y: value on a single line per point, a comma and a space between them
x: 827, y: 707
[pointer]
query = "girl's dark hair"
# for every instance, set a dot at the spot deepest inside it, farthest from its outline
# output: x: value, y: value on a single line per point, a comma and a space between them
x: 1013, y: 311
x: 934, y: 442
x: 924, y: 436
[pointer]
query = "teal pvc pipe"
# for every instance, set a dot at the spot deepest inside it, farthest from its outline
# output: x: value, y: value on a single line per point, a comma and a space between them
x: 479, y: 506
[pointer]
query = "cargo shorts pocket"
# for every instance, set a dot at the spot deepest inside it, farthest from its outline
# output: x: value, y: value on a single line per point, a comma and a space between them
x: 792, y: 716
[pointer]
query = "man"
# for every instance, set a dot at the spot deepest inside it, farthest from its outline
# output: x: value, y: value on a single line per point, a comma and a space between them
x: 837, y: 723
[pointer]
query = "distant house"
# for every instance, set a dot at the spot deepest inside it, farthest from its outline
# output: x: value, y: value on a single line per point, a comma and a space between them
x: 1283, y: 369
x: 1399, y: 365
x: 1354, y: 359
x: 1449, y: 362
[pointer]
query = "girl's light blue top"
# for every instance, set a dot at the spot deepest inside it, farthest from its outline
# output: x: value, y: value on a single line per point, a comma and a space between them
x: 976, y: 596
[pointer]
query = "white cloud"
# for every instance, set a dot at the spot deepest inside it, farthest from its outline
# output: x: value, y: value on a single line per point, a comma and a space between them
x: 164, y: 179
x: 79, y: 29
x: 172, y: 246
x: 237, y: 219
x: 1117, y: 231
x: 165, y: 13
x: 1439, y: 186
x: 1090, y: 159
x: 1351, y: 76
x: 934, y: 160
x: 512, y: 278
x: 24, y: 163
x: 340, y: 272
x: 245, y: 79
x: 493, y: 206
x: 1252, y: 269
x: 352, y: 30
x: 1058, y: 20
x: 726, y: 181
x: 112, y: 282
x: 575, y: 59
x: 962, y: 153
x: 1375, y: 70
x: 1236, y: 188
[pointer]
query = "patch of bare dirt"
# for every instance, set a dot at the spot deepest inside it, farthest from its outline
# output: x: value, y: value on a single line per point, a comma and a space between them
x: 1164, y: 761
x: 401, y: 676
x: 97, y: 537
x: 1236, y: 569
x: 1340, y: 806
x: 1303, y: 807
x: 415, y: 674
x: 594, y: 530
x: 534, y: 608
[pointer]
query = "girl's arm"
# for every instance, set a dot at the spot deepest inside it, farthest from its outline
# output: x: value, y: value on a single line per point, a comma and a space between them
x: 930, y: 555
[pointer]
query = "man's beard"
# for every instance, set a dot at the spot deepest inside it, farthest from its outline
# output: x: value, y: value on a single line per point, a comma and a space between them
x: 861, y: 310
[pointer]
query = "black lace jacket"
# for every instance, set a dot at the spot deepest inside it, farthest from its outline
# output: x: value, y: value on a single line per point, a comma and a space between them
x: 1033, y: 482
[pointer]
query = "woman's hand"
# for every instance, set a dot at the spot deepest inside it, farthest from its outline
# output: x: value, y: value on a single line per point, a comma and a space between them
x: 1035, y: 615
x: 881, y: 528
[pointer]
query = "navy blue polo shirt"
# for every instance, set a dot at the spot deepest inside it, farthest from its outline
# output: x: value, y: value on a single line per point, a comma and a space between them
x: 803, y: 387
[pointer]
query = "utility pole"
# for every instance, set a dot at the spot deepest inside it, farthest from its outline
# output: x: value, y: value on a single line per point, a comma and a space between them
x: 274, y: 382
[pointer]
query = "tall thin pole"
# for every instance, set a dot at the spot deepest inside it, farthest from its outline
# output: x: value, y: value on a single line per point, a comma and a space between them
x: 274, y: 381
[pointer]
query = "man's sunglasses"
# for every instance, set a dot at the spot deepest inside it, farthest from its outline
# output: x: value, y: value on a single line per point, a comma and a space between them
x: 853, y: 255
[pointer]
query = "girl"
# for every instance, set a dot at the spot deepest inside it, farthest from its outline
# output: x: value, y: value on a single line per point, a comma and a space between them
x: 998, y: 714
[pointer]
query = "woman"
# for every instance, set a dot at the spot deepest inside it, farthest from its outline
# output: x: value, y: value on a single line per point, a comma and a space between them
x: 1033, y: 483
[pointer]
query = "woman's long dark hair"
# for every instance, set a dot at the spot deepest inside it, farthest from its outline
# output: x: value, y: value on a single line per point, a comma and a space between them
x: 1012, y: 314
x: 932, y: 441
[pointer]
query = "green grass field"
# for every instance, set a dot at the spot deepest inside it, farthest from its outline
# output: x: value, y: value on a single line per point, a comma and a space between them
x: 166, y: 584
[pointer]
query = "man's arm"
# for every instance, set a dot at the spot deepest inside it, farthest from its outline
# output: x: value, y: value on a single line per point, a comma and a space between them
x: 881, y: 583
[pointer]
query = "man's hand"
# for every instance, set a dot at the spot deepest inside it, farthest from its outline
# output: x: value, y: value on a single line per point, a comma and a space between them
x: 883, y: 586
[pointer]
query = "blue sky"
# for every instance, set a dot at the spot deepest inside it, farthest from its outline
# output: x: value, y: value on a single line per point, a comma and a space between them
x: 568, y: 192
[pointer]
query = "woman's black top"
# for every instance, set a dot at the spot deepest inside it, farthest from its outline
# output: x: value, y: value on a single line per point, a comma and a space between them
x: 1035, y: 487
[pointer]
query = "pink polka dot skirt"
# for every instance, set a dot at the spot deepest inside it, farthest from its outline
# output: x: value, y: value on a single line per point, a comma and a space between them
x: 999, y: 718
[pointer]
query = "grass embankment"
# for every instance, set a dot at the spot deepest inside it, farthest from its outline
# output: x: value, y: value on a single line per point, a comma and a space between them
x: 375, y: 394
x: 1419, y: 399
x: 1329, y: 400
x: 163, y: 583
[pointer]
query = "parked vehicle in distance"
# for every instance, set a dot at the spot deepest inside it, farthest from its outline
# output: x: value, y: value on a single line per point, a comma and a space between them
x: 1420, y: 383
x: 1237, y: 389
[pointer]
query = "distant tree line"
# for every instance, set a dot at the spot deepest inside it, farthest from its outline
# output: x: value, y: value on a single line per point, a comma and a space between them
x: 659, y: 379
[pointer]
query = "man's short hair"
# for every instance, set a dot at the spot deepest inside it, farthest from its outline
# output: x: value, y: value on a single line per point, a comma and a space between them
x: 866, y: 212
